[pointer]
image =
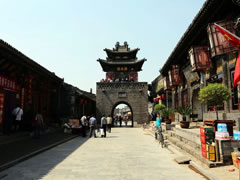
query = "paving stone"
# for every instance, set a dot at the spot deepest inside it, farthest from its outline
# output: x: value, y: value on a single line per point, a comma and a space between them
x: 125, y: 154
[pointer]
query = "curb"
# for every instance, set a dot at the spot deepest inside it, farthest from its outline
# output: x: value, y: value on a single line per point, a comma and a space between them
x: 203, y: 171
x: 14, y: 162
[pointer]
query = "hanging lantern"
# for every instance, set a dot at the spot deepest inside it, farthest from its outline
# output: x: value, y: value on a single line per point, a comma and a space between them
x: 163, y: 96
x: 85, y: 102
x: 176, y: 80
x: 218, y: 44
x: 81, y: 101
x: 155, y: 99
x: 200, y: 58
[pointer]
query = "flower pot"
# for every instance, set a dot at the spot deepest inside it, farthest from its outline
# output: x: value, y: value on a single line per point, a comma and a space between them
x: 184, y: 124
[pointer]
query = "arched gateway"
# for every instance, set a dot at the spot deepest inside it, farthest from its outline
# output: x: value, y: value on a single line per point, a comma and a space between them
x: 121, y: 84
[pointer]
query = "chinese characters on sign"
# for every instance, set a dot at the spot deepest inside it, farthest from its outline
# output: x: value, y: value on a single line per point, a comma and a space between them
x: 6, y: 83
x: 1, y: 107
x: 30, y: 79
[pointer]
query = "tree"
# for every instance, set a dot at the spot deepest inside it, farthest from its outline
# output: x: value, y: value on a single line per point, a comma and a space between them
x: 159, y: 107
x: 214, y: 95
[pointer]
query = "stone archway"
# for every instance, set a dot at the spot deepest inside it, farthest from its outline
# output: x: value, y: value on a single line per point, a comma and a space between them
x: 134, y: 94
x: 130, y: 119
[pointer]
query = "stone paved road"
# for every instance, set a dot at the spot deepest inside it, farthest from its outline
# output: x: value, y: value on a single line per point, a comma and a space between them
x: 125, y: 154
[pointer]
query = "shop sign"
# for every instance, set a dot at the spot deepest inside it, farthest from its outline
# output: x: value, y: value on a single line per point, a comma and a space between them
x: 30, y: 79
x: 160, y: 84
x: 232, y: 59
x: 22, y: 98
x: 7, y: 83
x: 219, y: 66
x: 189, y: 75
x: 1, y: 107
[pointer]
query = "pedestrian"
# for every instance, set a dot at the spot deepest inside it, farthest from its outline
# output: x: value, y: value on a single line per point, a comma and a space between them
x: 17, y: 113
x: 157, y: 125
x: 120, y: 121
x: 37, y: 124
x: 104, y: 125
x: 109, y: 123
x: 84, y: 125
x: 93, y: 126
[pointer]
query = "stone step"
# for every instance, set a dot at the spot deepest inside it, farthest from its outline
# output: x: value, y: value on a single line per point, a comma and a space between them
x: 192, y: 151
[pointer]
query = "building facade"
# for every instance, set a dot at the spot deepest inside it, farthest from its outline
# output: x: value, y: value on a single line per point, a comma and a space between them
x: 203, y: 56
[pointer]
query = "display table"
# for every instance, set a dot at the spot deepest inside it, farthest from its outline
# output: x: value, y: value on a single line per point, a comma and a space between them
x: 214, y: 123
x: 225, y: 149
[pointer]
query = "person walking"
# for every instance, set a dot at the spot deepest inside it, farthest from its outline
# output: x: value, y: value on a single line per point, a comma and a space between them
x: 93, y: 126
x: 120, y: 121
x: 104, y: 125
x: 17, y: 113
x: 37, y: 124
x: 109, y: 123
x: 84, y: 125
x: 158, y: 125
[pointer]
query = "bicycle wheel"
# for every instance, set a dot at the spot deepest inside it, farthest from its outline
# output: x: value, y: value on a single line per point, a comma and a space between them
x: 161, y: 139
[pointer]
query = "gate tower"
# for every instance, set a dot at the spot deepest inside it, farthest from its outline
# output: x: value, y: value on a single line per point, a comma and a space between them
x: 121, y: 84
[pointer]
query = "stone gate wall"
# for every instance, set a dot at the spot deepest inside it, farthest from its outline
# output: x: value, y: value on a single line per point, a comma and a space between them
x: 134, y: 94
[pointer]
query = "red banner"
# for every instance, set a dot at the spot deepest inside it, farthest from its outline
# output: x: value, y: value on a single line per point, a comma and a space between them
x: 1, y: 106
x: 7, y: 83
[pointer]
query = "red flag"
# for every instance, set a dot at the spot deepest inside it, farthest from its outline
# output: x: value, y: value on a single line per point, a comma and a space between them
x: 230, y: 37
x: 237, y: 72
x: 235, y: 42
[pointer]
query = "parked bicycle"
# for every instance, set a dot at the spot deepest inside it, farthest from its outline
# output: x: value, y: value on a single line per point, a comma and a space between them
x: 161, y: 138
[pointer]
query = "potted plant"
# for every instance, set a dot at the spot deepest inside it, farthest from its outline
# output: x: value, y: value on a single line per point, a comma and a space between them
x: 214, y: 95
x: 159, y: 107
x: 165, y: 113
x: 184, y: 111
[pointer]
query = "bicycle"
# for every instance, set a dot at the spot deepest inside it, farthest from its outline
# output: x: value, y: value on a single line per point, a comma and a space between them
x: 161, y: 138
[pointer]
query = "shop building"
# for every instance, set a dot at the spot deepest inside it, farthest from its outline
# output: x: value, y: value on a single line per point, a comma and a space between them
x: 203, y: 56
x: 76, y: 103
x: 28, y: 84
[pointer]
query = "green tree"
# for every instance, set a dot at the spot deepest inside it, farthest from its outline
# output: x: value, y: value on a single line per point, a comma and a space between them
x: 159, y: 107
x: 214, y: 95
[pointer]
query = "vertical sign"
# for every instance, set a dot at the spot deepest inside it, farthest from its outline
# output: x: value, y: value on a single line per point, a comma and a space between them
x: 30, y: 89
x: 22, y: 98
x: 1, y: 107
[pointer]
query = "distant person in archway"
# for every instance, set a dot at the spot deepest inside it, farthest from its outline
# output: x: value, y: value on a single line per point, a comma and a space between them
x: 120, y: 121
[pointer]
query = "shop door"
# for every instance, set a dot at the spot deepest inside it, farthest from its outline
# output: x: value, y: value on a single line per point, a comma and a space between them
x: 1, y: 107
x: 8, y: 105
x: 197, y: 106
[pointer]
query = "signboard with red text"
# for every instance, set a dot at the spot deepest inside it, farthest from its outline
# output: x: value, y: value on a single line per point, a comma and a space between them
x: 1, y: 106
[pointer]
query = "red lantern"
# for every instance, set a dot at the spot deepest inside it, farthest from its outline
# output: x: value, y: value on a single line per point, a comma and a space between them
x: 85, y: 101
x: 81, y: 101
x: 163, y: 96
x: 155, y: 99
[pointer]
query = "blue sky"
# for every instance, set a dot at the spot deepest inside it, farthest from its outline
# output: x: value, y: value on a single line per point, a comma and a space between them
x: 68, y: 36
